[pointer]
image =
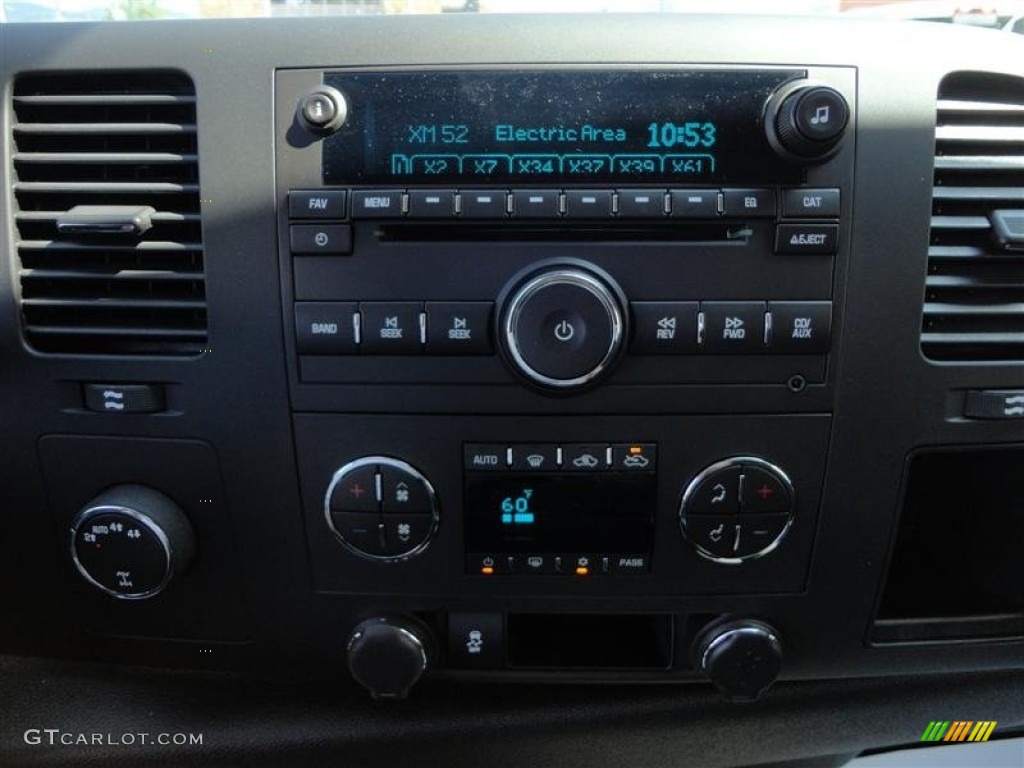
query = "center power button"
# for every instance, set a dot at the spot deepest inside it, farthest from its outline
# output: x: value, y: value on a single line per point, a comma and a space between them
x: 563, y: 327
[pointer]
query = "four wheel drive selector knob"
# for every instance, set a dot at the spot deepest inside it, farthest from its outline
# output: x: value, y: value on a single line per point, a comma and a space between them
x: 130, y: 541
x: 563, y: 325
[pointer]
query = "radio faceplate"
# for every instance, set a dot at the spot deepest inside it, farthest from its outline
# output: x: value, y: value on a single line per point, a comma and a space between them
x: 400, y: 277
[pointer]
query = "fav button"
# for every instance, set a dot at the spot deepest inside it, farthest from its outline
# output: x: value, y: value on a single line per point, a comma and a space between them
x: 317, y: 204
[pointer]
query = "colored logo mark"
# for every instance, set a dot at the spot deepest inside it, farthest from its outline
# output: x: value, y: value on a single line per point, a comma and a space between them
x: 958, y: 730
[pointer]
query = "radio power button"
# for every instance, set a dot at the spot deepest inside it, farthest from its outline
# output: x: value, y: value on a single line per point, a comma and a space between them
x: 563, y: 328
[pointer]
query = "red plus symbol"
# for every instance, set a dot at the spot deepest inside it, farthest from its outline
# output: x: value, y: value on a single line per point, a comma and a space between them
x: 357, y: 490
x: 765, y: 491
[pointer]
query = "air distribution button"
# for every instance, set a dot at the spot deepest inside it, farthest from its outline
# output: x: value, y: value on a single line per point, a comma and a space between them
x: 563, y: 328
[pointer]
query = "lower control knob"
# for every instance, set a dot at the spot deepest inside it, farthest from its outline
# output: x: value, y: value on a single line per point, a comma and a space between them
x: 742, y: 658
x: 387, y: 655
x: 563, y: 328
x: 130, y: 541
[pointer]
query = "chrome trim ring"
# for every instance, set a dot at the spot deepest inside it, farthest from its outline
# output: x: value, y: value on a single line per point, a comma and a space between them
x: 398, y: 464
x: 142, y: 519
x: 696, y: 482
x: 580, y: 279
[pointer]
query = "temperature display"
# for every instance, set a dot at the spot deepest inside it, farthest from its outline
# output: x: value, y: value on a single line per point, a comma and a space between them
x: 566, y: 126
x: 523, y: 513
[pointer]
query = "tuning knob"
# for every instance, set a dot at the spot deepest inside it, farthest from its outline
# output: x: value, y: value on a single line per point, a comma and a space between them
x: 742, y: 658
x: 387, y: 655
x: 808, y: 123
x: 131, y: 541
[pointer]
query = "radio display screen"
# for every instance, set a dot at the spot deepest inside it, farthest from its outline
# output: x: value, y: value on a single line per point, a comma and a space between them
x: 555, y: 126
x: 559, y: 513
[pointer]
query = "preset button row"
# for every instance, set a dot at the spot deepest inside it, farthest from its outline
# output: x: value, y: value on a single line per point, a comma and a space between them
x: 586, y: 203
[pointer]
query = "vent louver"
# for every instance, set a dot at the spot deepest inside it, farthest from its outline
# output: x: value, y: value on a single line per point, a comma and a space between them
x: 974, y: 303
x: 109, y: 139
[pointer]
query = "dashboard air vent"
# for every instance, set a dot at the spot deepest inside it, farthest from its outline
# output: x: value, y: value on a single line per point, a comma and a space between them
x: 106, y: 183
x: 974, y: 304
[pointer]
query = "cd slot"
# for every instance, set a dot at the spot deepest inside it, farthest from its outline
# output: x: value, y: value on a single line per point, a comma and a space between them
x: 692, y: 232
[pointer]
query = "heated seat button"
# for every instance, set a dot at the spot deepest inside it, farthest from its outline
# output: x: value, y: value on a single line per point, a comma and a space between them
x: 325, y: 328
x: 664, y: 327
x: 762, y: 491
x: 641, y: 203
x: 459, y: 327
x: 800, y: 327
x: 360, y: 531
x: 391, y: 328
x: 718, y: 493
x: 404, y: 533
x: 476, y: 640
x: 733, y: 326
x: 356, y: 491
x: 749, y: 202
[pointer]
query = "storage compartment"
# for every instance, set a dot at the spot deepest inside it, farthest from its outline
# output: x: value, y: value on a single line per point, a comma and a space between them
x: 589, y: 641
x: 956, y: 568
